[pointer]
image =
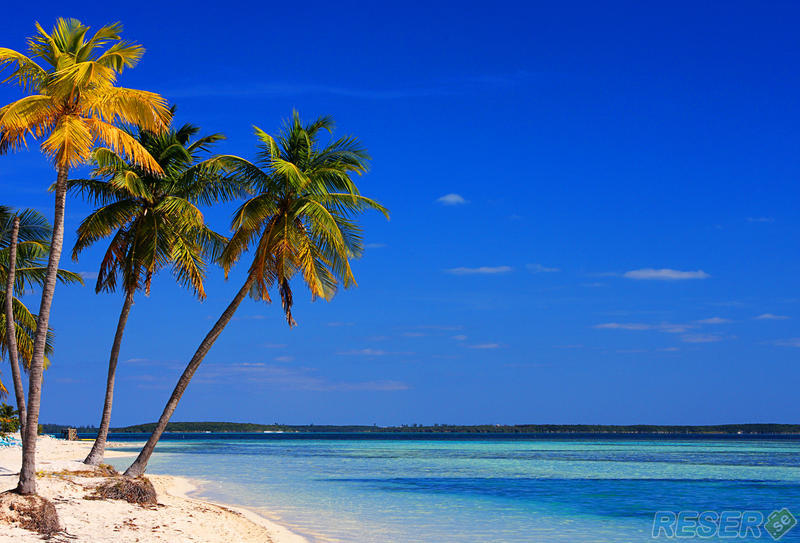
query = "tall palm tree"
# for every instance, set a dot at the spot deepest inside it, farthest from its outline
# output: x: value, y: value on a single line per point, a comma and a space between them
x: 73, y: 106
x: 299, y: 220
x: 24, y: 243
x: 153, y: 223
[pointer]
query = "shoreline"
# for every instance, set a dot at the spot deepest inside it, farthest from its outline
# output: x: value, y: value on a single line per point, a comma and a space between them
x: 183, y: 488
x: 179, y: 516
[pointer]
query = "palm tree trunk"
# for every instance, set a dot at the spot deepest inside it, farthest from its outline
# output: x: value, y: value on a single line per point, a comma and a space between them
x: 140, y: 464
x: 11, y: 334
x: 99, y: 447
x: 27, y: 475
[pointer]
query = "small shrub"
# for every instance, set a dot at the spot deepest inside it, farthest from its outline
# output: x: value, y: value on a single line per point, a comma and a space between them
x: 137, y: 490
x: 29, y: 512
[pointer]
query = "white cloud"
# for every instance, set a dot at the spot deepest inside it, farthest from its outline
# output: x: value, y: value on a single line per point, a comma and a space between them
x: 460, y: 337
x: 88, y: 275
x: 771, y: 317
x: 452, y: 199
x: 374, y: 245
x: 639, y: 326
x: 482, y: 270
x: 283, y: 358
x: 623, y: 326
x: 291, y: 377
x: 485, y: 346
x: 372, y: 352
x: 760, y: 219
x: 337, y: 324
x: 665, y: 274
x: 701, y: 338
x: 793, y: 342
x: 366, y: 352
x: 713, y: 320
x: 538, y: 268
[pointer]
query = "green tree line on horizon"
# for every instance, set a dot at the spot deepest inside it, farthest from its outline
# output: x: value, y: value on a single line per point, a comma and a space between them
x: 245, y: 427
x: 148, y: 179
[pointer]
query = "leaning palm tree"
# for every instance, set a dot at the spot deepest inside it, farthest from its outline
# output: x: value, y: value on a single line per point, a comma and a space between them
x: 153, y: 223
x: 73, y: 106
x: 300, y: 220
x: 24, y: 244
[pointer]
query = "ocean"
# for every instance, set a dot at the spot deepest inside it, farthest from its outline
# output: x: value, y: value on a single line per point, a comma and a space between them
x: 490, y: 488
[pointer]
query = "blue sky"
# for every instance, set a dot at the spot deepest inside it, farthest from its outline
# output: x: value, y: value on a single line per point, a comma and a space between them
x: 594, y: 215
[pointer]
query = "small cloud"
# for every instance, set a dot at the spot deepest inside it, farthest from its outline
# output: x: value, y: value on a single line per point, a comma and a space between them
x: 667, y: 327
x: 137, y: 360
x: 760, y: 219
x: 374, y: 245
x: 596, y: 284
x: 373, y: 352
x: 274, y: 345
x: 444, y: 327
x: 665, y: 274
x: 283, y: 358
x: 713, y: 320
x: 413, y: 334
x: 451, y: 199
x: 701, y: 338
x: 668, y: 349
x: 771, y: 317
x: 485, y: 346
x: 482, y: 270
x: 538, y: 268
x: 250, y: 318
x: 623, y: 326
x: 88, y: 275
x: 793, y: 342
x: 377, y: 386
x: 460, y: 337
x: 574, y: 346
x: 336, y: 324
x: 366, y: 352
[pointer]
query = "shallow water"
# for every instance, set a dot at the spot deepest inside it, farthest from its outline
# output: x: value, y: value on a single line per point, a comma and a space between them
x: 356, y: 488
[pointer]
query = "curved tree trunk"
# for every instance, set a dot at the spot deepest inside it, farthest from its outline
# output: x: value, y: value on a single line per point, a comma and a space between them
x: 11, y: 335
x: 99, y: 447
x: 27, y: 475
x: 140, y: 464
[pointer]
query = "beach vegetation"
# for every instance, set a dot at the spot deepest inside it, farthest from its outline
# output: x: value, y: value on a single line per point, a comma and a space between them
x: 153, y: 223
x: 24, y: 246
x: 298, y: 221
x: 136, y: 490
x: 9, y: 419
x: 72, y: 105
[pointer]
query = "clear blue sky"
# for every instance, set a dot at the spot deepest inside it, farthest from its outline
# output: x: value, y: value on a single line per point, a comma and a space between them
x: 576, y: 146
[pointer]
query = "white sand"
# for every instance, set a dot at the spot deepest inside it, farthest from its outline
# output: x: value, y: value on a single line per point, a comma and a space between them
x: 177, y: 518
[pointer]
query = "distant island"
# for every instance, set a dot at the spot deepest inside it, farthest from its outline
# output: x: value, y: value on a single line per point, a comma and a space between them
x: 240, y: 427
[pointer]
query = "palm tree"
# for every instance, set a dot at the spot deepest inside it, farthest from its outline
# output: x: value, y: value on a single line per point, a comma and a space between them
x: 299, y: 220
x: 24, y: 242
x: 73, y: 106
x: 153, y: 223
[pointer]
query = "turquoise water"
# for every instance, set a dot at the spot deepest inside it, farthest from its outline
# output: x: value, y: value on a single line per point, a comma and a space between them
x: 358, y: 489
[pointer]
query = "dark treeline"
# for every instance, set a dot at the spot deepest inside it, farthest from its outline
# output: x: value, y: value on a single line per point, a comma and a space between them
x: 239, y: 427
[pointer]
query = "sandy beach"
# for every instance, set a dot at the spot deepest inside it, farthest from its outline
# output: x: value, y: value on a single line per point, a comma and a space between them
x: 176, y: 518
